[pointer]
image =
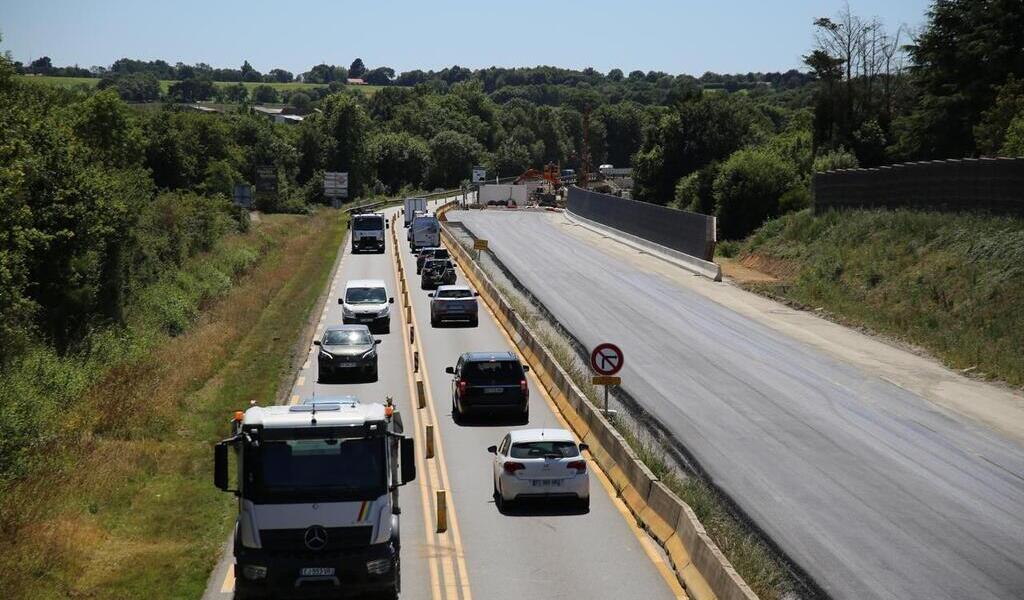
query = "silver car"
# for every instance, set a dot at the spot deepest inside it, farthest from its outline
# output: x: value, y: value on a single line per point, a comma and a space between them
x: 453, y: 303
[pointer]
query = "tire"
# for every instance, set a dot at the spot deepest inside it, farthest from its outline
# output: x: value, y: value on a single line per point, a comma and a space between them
x: 373, y: 374
x: 456, y: 413
x: 386, y: 329
x: 584, y: 504
x: 525, y: 416
x: 474, y: 322
x: 434, y: 322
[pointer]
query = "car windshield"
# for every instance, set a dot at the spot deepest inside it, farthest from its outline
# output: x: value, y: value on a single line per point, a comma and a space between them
x: 454, y: 294
x: 374, y: 295
x: 369, y: 223
x: 347, y: 337
x: 338, y: 468
x: 542, y: 449
x: 491, y: 372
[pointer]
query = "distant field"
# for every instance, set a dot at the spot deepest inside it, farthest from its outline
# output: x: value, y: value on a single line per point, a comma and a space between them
x: 69, y: 82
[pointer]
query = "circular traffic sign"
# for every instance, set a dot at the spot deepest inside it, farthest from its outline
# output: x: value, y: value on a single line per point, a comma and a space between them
x: 606, y: 359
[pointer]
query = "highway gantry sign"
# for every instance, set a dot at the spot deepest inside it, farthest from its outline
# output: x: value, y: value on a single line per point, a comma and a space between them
x: 606, y: 359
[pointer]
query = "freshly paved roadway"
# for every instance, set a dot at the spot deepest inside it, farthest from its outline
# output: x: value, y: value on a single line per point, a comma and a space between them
x: 873, y: 490
x: 530, y: 554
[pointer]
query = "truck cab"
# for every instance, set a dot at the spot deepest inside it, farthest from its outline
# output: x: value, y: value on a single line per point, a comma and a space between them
x: 317, y: 486
x: 368, y: 232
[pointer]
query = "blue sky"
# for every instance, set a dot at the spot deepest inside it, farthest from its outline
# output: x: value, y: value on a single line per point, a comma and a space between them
x: 683, y: 36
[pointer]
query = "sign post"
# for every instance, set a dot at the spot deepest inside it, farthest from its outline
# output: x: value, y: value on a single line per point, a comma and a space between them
x: 479, y: 245
x: 606, y: 360
x: 479, y: 177
x: 336, y: 187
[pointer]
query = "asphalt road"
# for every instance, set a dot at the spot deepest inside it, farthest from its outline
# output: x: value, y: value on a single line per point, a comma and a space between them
x: 535, y: 553
x: 873, y: 490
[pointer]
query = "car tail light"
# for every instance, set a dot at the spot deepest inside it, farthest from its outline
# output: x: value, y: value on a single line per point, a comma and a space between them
x: 579, y: 465
x: 462, y: 387
x: 512, y: 467
x: 525, y: 389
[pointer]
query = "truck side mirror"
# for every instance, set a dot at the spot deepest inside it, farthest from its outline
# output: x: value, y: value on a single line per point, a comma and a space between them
x: 316, y: 342
x: 449, y: 370
x: 341, y: 301
x: 220, y: 466
x: 391, y: 300
x: 408, y: 460
x: 526, y: 368
x: 387, y: 225
x: 492, y: 449
x: 430, y: 295
x: 376, y: 341
x: 476, y: 294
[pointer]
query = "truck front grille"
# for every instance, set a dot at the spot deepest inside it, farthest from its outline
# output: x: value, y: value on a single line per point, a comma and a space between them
x: 294, y: 540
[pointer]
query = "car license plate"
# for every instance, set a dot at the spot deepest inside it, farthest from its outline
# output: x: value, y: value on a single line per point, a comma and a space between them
x: 346, y: 365
x: 547, y: 483
x: 493, y: 390
x: 317, y: 572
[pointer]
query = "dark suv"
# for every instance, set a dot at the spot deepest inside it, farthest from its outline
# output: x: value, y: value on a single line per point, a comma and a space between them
x: 437, y: 271
x: 488, y: 382
x: 426, y: 254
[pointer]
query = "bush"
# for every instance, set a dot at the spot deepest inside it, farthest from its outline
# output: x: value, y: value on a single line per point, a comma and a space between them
x: 695, y: 192
x: 747, y: 190
x: 835, y: 159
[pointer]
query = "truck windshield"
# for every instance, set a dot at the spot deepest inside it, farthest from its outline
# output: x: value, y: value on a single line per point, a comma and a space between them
x: 321, y: 470
x: 369, y: 223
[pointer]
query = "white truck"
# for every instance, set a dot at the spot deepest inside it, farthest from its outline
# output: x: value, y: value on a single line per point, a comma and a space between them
x: 368, y: 232
x: 317, y: 486
x: 425, y: 232
x: 411, y: 206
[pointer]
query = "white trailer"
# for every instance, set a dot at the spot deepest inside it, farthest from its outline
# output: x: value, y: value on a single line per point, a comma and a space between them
x: 411, y: 206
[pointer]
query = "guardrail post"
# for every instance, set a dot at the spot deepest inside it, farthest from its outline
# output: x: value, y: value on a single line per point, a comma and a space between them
x: 415, y: 361
x: 429, y: 440
x: 421, y: 394
x: 412, y: 334
x: 442, y: 511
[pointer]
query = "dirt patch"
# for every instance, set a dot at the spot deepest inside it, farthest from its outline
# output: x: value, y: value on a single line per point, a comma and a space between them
x: 770, y: 267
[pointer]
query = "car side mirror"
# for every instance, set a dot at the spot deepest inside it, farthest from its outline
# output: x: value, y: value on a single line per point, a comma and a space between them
x: 408, y: 460
x: 584, y: 447
x: 430, y: 295
x: 316, y: 342
x: 220, y: 466
x: 376, y: 341
x: 492, y: 449
x: 449, y: 370
x: 476, y: 294
x: 391, y: 300
x: 387, y: 225
x: 526, y: 368
x: 341, y: 300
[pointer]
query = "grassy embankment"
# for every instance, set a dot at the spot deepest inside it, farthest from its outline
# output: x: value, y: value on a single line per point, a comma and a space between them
x: 165, y: 84
x: 952, y: 284
x: 124, y: 506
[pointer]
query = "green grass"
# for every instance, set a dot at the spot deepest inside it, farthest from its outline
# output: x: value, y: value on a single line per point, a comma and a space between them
x: 952, y: 284
x: 130, y: 507
x: 165, y: 84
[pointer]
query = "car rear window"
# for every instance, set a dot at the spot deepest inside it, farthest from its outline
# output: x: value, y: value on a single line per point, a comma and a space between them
x: 440, y: 253
x: 542, y: 449
x: 505, y: 372
x: 455, y: 294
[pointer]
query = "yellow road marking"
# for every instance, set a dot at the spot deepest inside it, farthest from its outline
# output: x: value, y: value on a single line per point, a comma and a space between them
x: 645, y: 540
x: 294, y: 399
x: 301, y: 381
x: 228, y: 587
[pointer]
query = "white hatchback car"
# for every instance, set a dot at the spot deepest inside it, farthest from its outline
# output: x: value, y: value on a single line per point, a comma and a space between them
x: 540, y: 463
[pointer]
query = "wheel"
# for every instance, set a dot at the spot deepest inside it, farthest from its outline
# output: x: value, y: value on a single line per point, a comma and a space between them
x: 373, y: 374
x: 526, y: 416
x: 584, y: 504
x: 434, y: 322
x: 423, y: 285
x: 475, y: 321
x: 456, y: 413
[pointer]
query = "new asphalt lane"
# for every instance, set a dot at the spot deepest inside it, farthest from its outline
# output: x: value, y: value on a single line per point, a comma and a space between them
x: 873, y: 490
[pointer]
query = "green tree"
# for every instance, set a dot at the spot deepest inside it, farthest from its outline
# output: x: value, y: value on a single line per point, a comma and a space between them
x: 106, y: 124
x: 1014, y: 145
x: 357, y: 69
x: 300, y: 101
x: 990, y: 133
x: 452, y: 157
x: 511, y: 158
x: 345, y: 127
x: 192, y: 90
x: 264, y: 94
x: 747, y: 190
x: 398, y: 159
x: 236, y: 93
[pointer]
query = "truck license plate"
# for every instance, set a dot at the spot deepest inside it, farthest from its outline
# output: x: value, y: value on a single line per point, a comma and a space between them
x: 317, y: 572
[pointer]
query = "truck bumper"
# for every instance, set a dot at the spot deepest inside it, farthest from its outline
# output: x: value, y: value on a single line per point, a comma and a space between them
x: 284, y: 577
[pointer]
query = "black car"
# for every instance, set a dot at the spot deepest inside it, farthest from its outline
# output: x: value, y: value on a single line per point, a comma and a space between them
x: 347, y: 350
x: 488, y: 382
x: 437, y: 271
x: 428, y: 253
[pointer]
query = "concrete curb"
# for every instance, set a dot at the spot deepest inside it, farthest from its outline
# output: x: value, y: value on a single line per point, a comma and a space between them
x: 700, y: 566
x: 711, y: 270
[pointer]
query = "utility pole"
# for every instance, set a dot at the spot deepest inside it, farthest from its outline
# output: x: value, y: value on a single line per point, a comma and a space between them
x: 584, y: 176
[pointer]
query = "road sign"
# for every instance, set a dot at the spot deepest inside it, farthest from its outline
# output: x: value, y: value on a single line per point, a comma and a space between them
x: 479, y: 174
x: 605, y: 380
x: 242, y: 195
x: 336, y: 184
x: 479, y: 244
x: 606, y: 359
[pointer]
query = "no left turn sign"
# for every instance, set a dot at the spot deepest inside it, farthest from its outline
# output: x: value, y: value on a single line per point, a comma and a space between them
x: 606, y: 359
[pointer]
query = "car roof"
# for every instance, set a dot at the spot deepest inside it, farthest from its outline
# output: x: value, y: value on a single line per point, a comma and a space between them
x: 487, y: 356
x: 365, y: 283
x: 538, y: 435
x: 346, y: 328
x: 452, y: 287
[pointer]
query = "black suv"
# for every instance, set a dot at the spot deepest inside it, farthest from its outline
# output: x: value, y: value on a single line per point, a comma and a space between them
x: 426, y: 254
x: 488, y: 382
x: 437, y: 271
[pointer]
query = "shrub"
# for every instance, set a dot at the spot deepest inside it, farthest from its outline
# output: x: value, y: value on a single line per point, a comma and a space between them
x: 747, y: 190
x: 835, y: 159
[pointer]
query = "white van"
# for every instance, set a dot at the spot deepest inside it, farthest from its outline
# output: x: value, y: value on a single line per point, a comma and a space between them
x: 425, y: 232
x: 366, y: 302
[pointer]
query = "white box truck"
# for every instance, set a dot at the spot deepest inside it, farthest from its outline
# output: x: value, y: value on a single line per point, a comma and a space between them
x: 411, y: 206
x: 317, y: 486
x: 368, y: 232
